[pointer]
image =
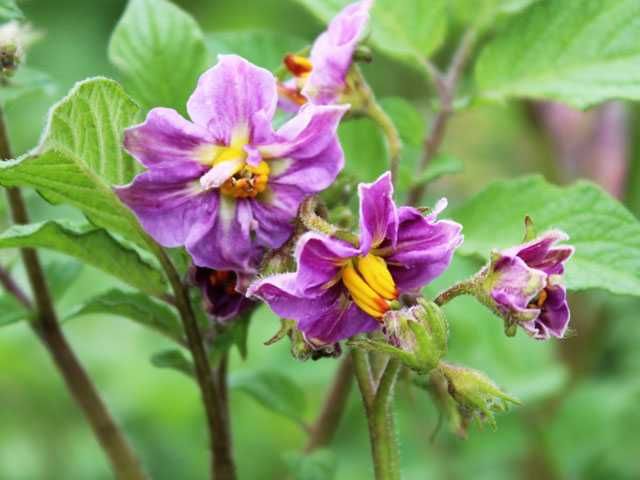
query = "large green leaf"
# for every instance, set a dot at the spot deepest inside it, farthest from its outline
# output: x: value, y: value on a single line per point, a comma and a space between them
x: 577, y: 51
x: 483, y: 13
x: 264, y: 48
x: 408, y: 30
x: 160, y: 51
x: 272, y: 390
x: 605, y: 234
x: 364, y: 149
x: 137, y: 307
x: 80, y: 156
x: 90, y: 245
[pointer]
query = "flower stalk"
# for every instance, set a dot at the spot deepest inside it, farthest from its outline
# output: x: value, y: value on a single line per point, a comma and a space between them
x: 213, y: 397
x: 377, y: 405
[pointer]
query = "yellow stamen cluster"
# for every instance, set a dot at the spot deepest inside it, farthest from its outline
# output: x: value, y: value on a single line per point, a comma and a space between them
x: 298, y: 65
x: 540, y: 299
x: 247, y: 182
x: 370, y: 284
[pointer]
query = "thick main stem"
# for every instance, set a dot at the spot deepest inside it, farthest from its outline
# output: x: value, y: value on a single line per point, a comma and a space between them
x: 125, y: 464
x: 325, y: 426
x: 213, y: 397
x: 377, y: 403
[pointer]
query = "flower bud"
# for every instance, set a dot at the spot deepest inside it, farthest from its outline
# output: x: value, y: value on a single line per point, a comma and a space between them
x: 301, y: 348
x: 417, y: 336
x: 476, y: 395
x: 15, y: 38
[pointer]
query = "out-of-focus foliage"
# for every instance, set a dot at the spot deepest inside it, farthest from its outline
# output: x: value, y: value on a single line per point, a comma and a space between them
x: 580, y: 396
x: 175, y: 43
x: 577, y: 51
x: 408, y: 30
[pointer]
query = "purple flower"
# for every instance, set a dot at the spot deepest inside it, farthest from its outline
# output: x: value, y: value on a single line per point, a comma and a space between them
x: 523, y: 285
x: 225, y: 185
x: 340, y: 290
x: 221, y: 297
x: 321, y: 77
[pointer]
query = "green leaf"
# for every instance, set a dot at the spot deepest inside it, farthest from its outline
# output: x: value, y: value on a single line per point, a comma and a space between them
x: 160, y: 51
x: 137, y: 307
x: 234, y: 333
x: 272, y: 390
x: 92, y: 246
x: 364, y: 149
x: 580, y: 52
x: 9, y: 10
x: 80, y: 156
x: 61, y: 276
x: 408, y: 30
x: 318, y: 465
x: 605, y: 234
x: 11, y: 311
x: 26, y: 81
x: 262, y: 47
x: 174, y: 359
x: 409, y: 122
x: 483, y: 13
x: 443, y: 164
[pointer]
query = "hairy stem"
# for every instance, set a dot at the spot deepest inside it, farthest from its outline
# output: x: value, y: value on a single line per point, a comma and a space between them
x: 325, y: 426
x: 222, y: 465
x: 385, y: 448
x: 124, y: 463
x: 446, y: 85
x: 377, y: 405
x: 465, y: 287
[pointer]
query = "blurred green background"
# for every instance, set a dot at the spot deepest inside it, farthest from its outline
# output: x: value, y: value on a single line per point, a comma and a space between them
x: 580, y: 415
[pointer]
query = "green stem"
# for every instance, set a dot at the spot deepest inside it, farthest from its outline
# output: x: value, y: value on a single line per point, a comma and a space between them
x: 465, y: 287
x: 212, y: 390
x: 385, y: 449
x: 124, y: 462
x: 377, y: 403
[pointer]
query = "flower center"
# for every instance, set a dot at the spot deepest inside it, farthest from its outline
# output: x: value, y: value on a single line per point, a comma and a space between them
x: 229, y: 170
x: 247, y: 182
x: 223, y: 280
x: 370, y: 284
x: 539, y: 300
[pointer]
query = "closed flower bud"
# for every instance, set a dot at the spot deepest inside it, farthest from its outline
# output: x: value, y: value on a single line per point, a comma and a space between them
x: 417, y: 336
x: 476, y: 395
